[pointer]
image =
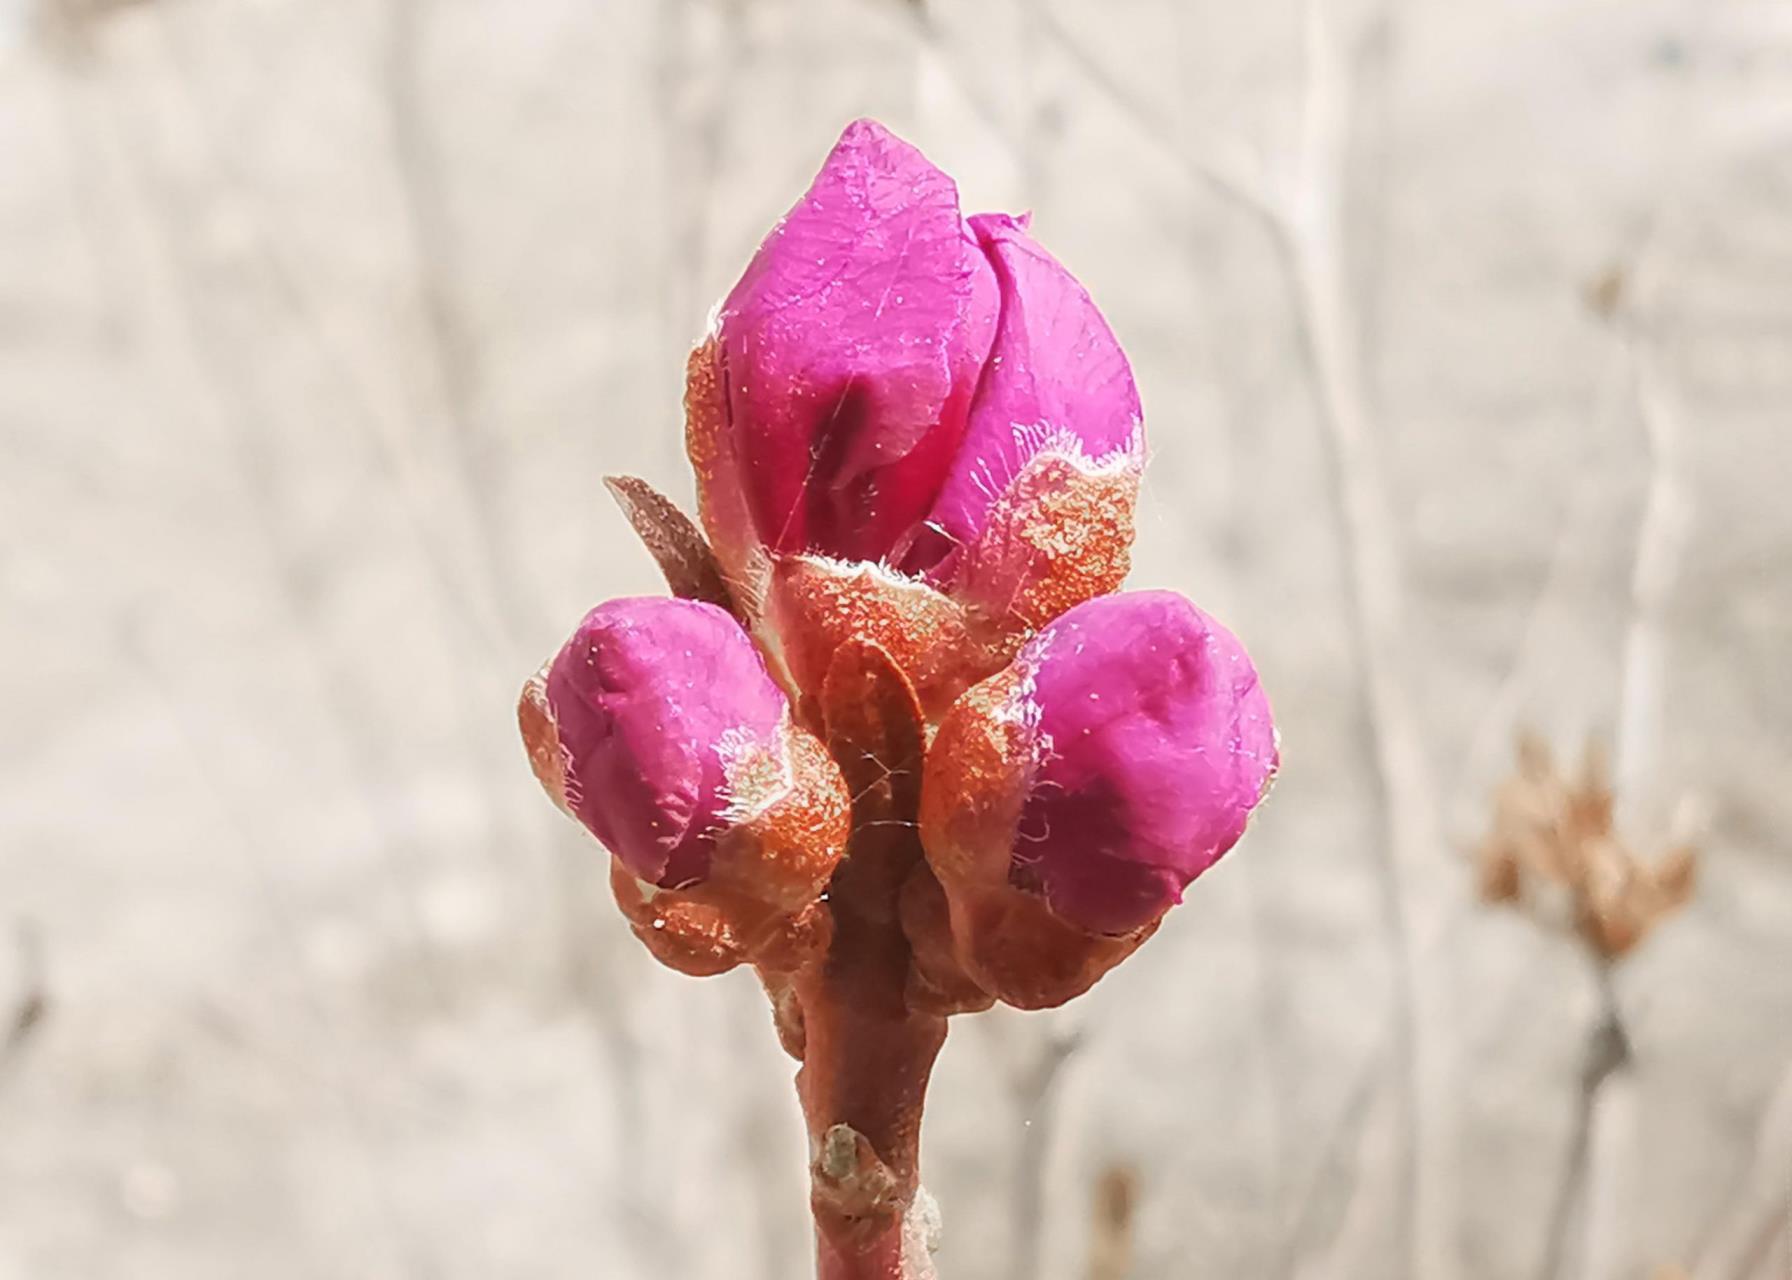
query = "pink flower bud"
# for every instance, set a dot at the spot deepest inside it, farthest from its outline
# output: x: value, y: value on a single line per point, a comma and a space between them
x: 1115, y: 761
x: 891, y: 382
x: 658, y: 728
x: 848, y: 355
x: 1056, y: 382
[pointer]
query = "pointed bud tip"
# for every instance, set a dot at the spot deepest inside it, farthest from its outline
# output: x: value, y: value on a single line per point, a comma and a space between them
x: 851, y: 347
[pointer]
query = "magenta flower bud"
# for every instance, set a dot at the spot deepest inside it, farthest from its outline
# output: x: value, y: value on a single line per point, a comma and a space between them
x: 648, y: 706
x: 1056, y: 382
x: 1115, y: 761
x: 849, y: 353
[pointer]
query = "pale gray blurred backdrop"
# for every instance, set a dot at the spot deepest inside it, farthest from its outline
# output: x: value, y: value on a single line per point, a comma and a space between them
x: 1464, y: 332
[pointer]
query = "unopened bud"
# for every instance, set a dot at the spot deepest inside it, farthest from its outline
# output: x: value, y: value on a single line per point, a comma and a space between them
x: 658, y: 727
x: 1116, y: 760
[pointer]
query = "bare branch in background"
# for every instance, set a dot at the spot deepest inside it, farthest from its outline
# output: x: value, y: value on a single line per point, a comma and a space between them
x: 1757, y: 1214
x: 1379, y: 1149
x: 1661, y: 537
x: 1554, y: 851
x: 1608, y: 1053
x: 696, y: 82
x: 935, y: 66
x: 1311, y: 234
x: 1035, y: 1096
x: 31, y: 1003
x: 225, y: 384
x: 426, y: 501
x: 1335, y: 1148
x: 1306, y: 221
x: 1565, y: 835
x: 452, y: 346
x: 1227, y: 165
x: 322, y: 1031
x: 1499, y: 723
x: 463, y: 610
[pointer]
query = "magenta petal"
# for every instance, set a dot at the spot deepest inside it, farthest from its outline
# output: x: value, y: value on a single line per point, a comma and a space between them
x: 851, y: 348
x: 1154, y: 743
x: 1056, y: 379
x: 646, y: 697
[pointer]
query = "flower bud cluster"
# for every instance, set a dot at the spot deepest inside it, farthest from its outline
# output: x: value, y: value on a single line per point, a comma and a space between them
x: 913, y: 435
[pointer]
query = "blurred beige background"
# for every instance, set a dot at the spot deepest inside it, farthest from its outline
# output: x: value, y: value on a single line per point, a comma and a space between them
x: 320, y: 321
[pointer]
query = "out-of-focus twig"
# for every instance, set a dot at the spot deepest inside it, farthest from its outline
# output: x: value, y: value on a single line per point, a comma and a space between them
x: 1660, y: 539
x: 1111, y: 1231
x: 1225, y: 165
x: 1608, y: 296
x: 426, y: 494
x: 1310, y: 231
x: 1359, y: 1109
x: 1757, y: 1215
x: 1495, y: 728
x: 451, y: 343
x: 1305, y: 216
x: 1035, y: 1096
x: 234, y: 375
x: 1364, y: 1213
x: 31, y: 1003
x: 1555, y: 842
x: 247, y: 842
x: 214, y: 355
x: 1554, y: 851
x: 1607, y: 1053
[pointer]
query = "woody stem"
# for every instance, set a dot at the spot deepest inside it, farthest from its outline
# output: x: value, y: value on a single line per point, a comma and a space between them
x: 867, y: 1052
x: 863, y: 1085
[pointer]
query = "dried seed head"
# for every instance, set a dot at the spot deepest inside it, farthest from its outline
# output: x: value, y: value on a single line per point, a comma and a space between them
x: 1555, y: 849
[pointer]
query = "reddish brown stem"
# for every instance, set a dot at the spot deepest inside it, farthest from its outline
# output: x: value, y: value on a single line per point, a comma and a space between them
x: 867, y: 1054
x: 863, y: 1086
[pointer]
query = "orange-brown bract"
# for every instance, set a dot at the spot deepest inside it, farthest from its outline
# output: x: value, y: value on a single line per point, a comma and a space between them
x: 816, y: 606
x: 1005, y: 941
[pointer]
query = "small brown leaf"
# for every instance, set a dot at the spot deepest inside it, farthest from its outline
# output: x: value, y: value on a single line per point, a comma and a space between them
x: 675, y: 543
